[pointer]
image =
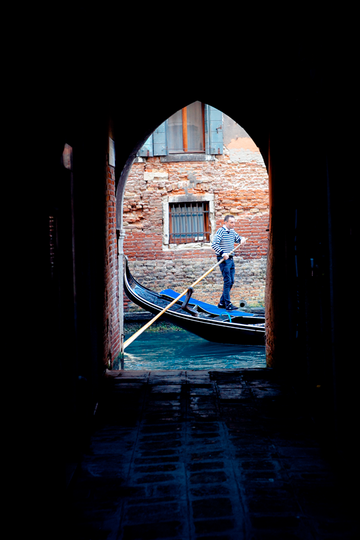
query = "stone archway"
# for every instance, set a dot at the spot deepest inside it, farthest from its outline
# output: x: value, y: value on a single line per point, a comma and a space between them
x: 235, y: 149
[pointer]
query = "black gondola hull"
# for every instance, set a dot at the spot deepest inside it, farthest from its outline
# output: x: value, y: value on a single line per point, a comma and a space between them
x: 207, y: 327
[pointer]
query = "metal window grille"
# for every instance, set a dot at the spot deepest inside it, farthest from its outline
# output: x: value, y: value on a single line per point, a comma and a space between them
x: 189, y: 222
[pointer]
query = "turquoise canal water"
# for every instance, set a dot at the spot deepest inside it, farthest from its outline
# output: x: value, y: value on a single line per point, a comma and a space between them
x: 182, y: 350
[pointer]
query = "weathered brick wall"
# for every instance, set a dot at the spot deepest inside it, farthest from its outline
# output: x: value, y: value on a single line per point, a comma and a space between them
x: 111, y: 297
x: 239, y: 182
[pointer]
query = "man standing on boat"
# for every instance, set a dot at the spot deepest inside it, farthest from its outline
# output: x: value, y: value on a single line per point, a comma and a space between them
x: 223, y: 244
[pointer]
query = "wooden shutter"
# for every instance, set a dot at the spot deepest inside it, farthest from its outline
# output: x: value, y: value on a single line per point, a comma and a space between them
x: 155, y: 144
x: 213, y: 130
x: 147, y: 149
x: 159, y: 135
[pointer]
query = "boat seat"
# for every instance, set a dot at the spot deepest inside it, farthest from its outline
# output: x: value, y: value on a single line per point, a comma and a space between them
x: 209, y: 308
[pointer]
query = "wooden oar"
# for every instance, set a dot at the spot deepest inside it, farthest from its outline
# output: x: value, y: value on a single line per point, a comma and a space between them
x: 146, y: 326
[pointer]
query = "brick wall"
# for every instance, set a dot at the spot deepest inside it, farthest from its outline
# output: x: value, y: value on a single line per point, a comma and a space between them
x: 111, y: 297
x: 239, y: 183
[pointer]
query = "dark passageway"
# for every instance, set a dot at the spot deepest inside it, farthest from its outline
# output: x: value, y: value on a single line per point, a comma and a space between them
x: 297, y: 107
x: 198, y: 454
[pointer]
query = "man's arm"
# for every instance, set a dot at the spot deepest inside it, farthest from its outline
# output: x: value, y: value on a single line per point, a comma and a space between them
x: 216, y: 242
x: 240, y: 239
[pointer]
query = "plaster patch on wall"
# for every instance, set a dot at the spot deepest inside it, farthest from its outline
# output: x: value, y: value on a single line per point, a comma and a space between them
x: 243, y: 150
x: 148, y: 176
x: 243, y: 142
x: 244, y: 155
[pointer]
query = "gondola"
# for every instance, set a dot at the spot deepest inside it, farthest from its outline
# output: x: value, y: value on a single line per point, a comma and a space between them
x: 204, y: 320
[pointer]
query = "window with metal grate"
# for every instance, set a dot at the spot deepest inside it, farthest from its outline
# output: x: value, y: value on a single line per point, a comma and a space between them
x: 189, y: 222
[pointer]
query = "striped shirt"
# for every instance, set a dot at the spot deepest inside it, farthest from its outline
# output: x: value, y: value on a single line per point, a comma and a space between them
x: 224, y: 240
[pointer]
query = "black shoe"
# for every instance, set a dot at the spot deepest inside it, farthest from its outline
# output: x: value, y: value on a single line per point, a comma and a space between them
x: 231, y: 307
x: 221, y: 306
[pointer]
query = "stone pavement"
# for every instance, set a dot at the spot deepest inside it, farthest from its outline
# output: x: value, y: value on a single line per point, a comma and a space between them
x: 198, y: 454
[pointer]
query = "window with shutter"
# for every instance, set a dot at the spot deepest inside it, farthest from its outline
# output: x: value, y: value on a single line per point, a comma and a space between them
x: 196, y: 129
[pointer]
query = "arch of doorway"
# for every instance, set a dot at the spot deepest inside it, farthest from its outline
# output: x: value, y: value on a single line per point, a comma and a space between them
x: 260, y: 136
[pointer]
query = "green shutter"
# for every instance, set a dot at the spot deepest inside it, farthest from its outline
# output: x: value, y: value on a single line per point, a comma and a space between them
x: 213, y: 130
x: 160, y: 146
x: 147, y: 149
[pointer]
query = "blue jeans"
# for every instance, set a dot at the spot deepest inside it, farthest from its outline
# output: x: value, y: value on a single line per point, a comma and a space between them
x: 228, y: 271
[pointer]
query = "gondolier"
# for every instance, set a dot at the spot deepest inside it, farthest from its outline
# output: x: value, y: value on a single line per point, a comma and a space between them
x: 223, y: 244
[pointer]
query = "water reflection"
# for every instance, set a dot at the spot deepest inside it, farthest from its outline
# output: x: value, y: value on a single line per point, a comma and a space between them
x: 182, y: 350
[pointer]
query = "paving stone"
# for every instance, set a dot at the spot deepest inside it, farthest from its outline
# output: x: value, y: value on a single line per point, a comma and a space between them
x: 166, y: 389
x: 202, y: 401
x: 163, y: 416
x: 198, y: 377
x: 206, y: 416
x: 163, y: 406
x: 153, y: 460
x: 163, y: 490
x: 262, y: 476
x: 214, y: 426
x: 118, y: 373
x: 154, y: 478
x: 153, y: 531
x: 151, y: 512
x: 160, y: 445
x: 163, y: 467
x: 265, y: 392
x: 147, y: 438
x: 157, y: 493
x: 211, y: 508
x: 205, y: 442
x: 259, y: 465
x: 162, y: 452
x: 127, y: 386
x: 233, y: 394
x: 205, y: 438
x: 201, y: 391
x: 208, y: 477
x: 214, y: 526
x: 209, y: 490
x: 146, y: 429
x: 204, y: 456
x: 209, y: 465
